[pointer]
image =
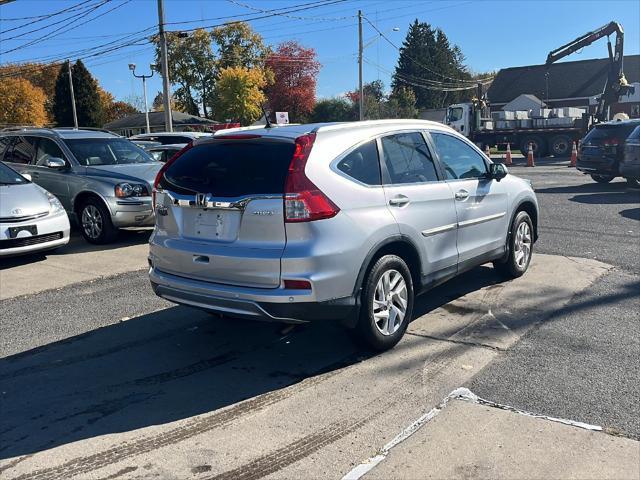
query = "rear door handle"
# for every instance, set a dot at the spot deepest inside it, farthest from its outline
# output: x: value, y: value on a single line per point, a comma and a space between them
x: 399, y: 201
x: 462, y: 195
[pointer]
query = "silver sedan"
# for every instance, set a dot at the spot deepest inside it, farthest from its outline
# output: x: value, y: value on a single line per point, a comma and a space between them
x: 31, y: 219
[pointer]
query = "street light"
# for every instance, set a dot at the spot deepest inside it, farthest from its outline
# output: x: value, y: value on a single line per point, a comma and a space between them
x: 153, y: 67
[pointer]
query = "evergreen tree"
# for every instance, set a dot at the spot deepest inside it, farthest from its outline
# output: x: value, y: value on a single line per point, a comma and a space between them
x: 426, y: 56
x: 88, y: 104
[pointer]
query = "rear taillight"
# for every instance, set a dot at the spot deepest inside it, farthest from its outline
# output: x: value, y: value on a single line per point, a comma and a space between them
x: 297, y: 285
x: 611, y: 142
x: 303, y: 201
x: 163, y: 169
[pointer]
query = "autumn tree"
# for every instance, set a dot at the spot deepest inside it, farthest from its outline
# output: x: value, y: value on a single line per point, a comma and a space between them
x: 293, y: 88
x: 239, y: 94
x: 21, y: 103
x: 238, y: 45
x: 158, y: 103
x: 192, y: 67
x: 41, y: 75
x: 87, y: 98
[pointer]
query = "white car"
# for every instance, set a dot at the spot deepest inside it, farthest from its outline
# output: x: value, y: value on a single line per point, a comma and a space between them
x: 170, y: 138
x: 31, y: 219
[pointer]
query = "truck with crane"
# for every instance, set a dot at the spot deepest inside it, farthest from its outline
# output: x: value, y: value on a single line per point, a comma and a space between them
x: 547, y: 131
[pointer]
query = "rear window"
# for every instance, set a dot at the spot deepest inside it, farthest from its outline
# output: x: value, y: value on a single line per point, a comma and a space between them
x: 635, y: 135
x: 599, y: 134
x: 231, y: 168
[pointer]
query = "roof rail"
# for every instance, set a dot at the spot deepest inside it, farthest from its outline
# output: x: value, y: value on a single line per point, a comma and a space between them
x: 23, y: 127
x: 18, y: 128
x: 95, y: 129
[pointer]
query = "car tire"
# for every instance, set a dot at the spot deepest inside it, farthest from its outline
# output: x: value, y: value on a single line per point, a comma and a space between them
x: 520, y: 243
x: 633, y: 183
x: 602, y: 178
x: 560, y: 146
x: 386, y: 295
x: 95, y: 222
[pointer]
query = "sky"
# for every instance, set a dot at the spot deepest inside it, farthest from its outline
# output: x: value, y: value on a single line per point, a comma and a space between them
x: 492, y: 34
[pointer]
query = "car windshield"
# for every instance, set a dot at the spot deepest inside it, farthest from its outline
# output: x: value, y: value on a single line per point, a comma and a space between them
x: 635, y: 135
x: 107, y: 151
x: 9, y: 176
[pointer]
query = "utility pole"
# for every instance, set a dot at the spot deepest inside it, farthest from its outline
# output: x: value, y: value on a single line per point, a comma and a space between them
x: 360, y: 49
x: 168, y: 123
x: 132, y: 67
x: 73, y: 97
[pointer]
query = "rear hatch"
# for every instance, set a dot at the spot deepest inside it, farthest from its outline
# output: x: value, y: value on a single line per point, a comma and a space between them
x: 220, y: 211
x: 605, y: 141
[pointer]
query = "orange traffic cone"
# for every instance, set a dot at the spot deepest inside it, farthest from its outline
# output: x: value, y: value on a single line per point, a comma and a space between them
x: 487, y: 151
x: 574, y: 155
x: 507, y: 159
x: 530, y: 162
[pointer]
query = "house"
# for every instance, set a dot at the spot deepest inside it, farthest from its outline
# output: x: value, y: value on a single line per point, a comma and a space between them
x: 136, y: 123
x: 564, y: 84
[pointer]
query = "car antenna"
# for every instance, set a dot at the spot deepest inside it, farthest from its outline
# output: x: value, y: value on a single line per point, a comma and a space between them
x: 266, y: 117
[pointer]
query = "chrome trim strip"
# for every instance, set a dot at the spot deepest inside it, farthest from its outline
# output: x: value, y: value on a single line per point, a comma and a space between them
x: 475, y: 221
x: 24, y: 218
x: 239, y: 203
x: 437, y: 230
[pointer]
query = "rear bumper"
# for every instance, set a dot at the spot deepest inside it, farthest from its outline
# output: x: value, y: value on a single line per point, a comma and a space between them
x: 277, y: 305
x: 600, y: 165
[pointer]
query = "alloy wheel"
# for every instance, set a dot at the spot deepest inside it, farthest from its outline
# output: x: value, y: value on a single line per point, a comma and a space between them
x: 522, y: 244
x: 92, y: 221
x: 390, y: 302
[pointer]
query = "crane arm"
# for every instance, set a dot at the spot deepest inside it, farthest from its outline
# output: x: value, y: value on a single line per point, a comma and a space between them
x: 583, y: 41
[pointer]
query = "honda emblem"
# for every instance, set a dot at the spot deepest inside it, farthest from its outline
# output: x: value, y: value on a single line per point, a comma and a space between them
x: 201, y: 200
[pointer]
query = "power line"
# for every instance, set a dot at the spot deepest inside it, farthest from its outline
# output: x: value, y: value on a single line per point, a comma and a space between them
x: 48, y: 35
x: 459, y: 80
x: 322, y: 19
x: 38, y: 29
x: 42, y: 17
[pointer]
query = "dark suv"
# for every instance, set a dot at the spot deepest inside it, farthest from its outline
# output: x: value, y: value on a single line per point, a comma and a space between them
x: 602, y: 149
x: 630, y: 164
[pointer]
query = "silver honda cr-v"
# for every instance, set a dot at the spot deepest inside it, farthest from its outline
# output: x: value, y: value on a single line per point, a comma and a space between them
x: 334, y: 221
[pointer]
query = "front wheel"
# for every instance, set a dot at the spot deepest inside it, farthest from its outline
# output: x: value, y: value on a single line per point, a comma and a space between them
x: 602, y: 178
x: 95, y: 222
x: 387, y: 304
x: 633, y: 182
x: 520, y: 248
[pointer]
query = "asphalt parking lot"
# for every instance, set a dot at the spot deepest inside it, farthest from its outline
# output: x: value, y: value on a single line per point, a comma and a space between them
x: 101, y: 379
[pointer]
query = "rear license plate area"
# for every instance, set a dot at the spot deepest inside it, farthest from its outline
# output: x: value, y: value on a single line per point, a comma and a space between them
x: 31, y: 229
x: 211, y: 224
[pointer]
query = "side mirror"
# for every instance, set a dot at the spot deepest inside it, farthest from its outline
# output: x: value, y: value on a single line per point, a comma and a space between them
x: 497, y: 171
x: 26, y: 176
x: 55, y: 163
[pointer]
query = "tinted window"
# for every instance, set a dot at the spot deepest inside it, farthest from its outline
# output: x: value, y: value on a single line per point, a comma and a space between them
x: 231, y: 168
x: 635, y: 135
x: 458, y: 158
x: 362, y: 164
x: 47, y: 149
x: 610, y: 133
x: 407, y: 158
x: 4, y: 144
x: 9, y: 176
x: 106, y: 151
x: 22, y: 150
